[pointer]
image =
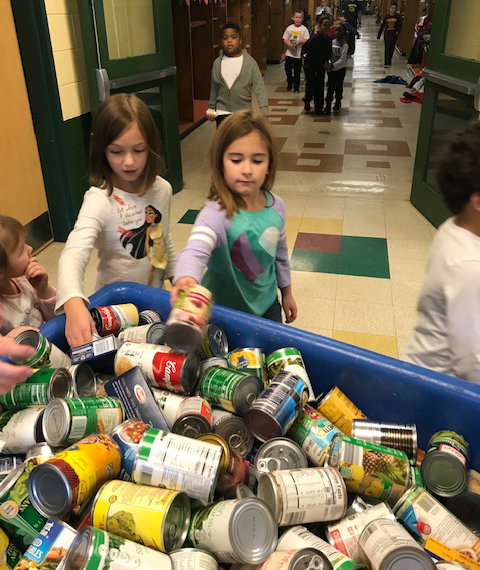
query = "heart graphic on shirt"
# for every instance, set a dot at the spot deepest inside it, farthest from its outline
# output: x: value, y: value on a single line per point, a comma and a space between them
x: 252, y: 261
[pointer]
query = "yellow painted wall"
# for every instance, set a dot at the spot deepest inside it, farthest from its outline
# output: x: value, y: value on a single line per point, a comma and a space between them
x: 22, y: 193
x: 463, y: 39
x: 67, y: 47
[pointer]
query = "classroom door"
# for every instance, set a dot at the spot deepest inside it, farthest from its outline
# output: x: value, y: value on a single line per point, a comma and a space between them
x: 129, y: 48
x: 451, y: 99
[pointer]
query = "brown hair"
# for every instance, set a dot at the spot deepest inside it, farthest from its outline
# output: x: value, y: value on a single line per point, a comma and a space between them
x: 236, y: 126
x: 111, y: 118
x: 10, y: 232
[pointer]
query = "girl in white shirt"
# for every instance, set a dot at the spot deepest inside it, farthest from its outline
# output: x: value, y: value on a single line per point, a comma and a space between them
x: 125, y: 214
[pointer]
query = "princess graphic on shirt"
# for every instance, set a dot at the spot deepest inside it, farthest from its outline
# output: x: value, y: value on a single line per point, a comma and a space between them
x: 147, y: 240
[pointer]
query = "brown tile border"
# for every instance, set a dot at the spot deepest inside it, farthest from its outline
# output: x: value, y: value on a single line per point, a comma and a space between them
x: 377, y: 164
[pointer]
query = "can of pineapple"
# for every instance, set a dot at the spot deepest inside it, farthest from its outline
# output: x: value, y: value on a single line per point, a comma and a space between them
x: 369, y: 469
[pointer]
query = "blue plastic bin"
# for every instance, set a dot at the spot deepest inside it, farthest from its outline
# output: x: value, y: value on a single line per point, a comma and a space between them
x: 385, y: 389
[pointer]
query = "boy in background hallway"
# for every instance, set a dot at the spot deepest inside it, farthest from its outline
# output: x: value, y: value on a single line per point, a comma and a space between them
x: 337, y: 70
x: 352, y: 12
x: 319, y: 53
x: 391, y: 27
x: 294, y: 36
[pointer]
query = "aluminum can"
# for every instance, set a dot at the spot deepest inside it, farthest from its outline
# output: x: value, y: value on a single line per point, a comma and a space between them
x: 151, y: 334
x: 233, y: 430
x: 156, y: 518
x: 278, y: 454
x: 314, y: 434
x: 299, y: 537
x: 232, y: 390
x: 66, y: 421
x: 194, y: 417
x: 398, y: 436
x: 18, y: 518
x: 128, y: 437
x: 210, y: 362
x: 243, y: 492
x: 169, y: 403
x: 276, y: 408
x: 369, y: 469
x: 290, y: 360
x: 344, y: 534
x: 84, y: 380
x: 149, y: 317
x: 357, y: 506
x: 47, y: 355
x: 179, y: 463
x: 39, y: 453
x: 336, y: 407
x: 188, y: 318
x: 304, y: 495
x: 11, y: 555
x: 387, y: 545
x: 161, y: 366
x: 214, y: 343
x: 41, y: 388
x: 415, y: 477
x: 65, y: 482
x: 233, y: 469
x: 95, y: 549
x: 251, y: 360
x: 192, y: 559
x: 466, y: 507
x: 114, y: 318
x: 302, y: 559
x: 21, y: 430
x: 229, y: 530
x: 444, y: 467
x: 50, y: 547
x: 426, y: 518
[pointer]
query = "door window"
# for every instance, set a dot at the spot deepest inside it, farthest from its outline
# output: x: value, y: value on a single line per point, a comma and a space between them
x: 463, y: 39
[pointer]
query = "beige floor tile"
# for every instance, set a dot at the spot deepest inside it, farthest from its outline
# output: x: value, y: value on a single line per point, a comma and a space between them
x: 321, y: 226
x: 181, y: 232
x: 407, y: 269
x: 408, y: 248
x: 363, y: 289
x: 401, y: 230
x: 405, y: 319
x: 295, y: 204
x: 364, y: 206
x: 364, y: 318
x: 380, y: 344
x: 325, y: 206
x: 406, y: 293
x: 314, y: 285
x: 324, y: 332
x: 316, y: 316
x: 366, y: 226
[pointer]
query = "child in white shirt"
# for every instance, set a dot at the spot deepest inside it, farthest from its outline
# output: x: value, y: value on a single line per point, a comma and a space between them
x: 447, y: 334
x: 294, y: 37
x: 26, y: 298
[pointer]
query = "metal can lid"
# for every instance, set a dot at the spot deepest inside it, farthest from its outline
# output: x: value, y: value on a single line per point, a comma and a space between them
x: 246, y: 392
x: 333, y: 454
x: 253, y: 531
x: 61, y: 384
x: 80, y: 550
x: 443, y: 474
x: 310, y: 558
x: 183, y: 337
x: 49, y: 491
x: 11, y: 479
x: 56, y: 422
x: 176, y: 522
x: 407, y: 557
x: 217, y: 340
x: 39, y: 450
x: 235, y: 432
x: 243, y: 492
x: 466, y: 507
x: 191, y: 426
x: 280, y: 453
x: 217, y: 440
x: 267, y: 491
x: 31, y: 338
x: 84, y: 379
x: 189, y: 373
x: 156, y: 333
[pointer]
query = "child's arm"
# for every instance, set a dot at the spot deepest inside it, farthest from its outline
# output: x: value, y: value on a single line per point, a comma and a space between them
x: 45, y: 293
x: 259, y: 90
x: 72, y: 264
x: 284, y: 279
x: 212, y: 103
x: 382, y: 27
x: 171, y: 255
x: 10, y: 374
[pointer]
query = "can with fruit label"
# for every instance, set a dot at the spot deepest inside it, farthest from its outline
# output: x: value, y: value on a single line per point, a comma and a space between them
x: 369, y: 469
x: 114, y: 318
x: 335, y: 406
x: 10, y: 554
x: 250, y: 360
x: 128, y: 436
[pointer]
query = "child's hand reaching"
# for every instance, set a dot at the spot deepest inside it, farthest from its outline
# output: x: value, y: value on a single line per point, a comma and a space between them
x: 211, y: 114
x: 38, y: 278
x: 288, y: 304
x: 80, y: 327
x: 180, y: 285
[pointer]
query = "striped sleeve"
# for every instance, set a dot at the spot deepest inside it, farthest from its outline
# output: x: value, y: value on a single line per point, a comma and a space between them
x: 208, y: 233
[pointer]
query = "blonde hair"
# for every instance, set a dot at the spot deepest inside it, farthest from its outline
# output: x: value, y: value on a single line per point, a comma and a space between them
x: 236, y: 126
x: 10, y: 232
x: 111, y: 118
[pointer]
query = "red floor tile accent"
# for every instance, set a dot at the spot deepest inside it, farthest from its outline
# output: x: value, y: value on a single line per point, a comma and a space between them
x: 318, y: 242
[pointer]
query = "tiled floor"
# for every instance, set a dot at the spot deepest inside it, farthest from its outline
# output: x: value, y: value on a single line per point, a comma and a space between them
x: 358, y: 248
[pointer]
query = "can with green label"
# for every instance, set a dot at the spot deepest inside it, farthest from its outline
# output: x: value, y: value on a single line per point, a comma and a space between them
x: 69, y: 420
x: 41, y: 388
x: 282, y: 357
x: 47, y: 355
x: 11, y: 554
x: 232, y: 390
x: 415, y: 477
x: 18, y: 518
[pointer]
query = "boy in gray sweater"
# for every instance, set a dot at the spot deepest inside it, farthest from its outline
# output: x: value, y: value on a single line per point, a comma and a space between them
x: 235, y: 78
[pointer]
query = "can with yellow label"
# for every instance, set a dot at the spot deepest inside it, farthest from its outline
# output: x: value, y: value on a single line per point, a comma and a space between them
x: 337, y: 408
x: 156, y: 518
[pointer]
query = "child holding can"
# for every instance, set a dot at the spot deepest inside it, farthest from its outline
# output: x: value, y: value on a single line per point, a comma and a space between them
x: 125, y: 214
x: 239, y: 237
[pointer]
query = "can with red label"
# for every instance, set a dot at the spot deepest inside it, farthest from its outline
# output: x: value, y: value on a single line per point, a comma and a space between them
x: 194, y: 417
x: 114, y: 318
x: 128, y: 436
x: 162, y: 367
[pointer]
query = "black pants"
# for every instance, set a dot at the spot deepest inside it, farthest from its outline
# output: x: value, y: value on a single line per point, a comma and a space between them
x: 293, y: 67
x: 351, y: 43
x: 390, y: 42
x: 335, y: 85
x: 315, y: 87
x: 220, y: 118
x: 274, y: 313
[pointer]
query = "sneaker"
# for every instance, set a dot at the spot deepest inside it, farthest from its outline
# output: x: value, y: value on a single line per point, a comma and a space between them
x: 289, y: 88
x: 337, y: 106
x: 327, y: 110
x: 307, y: 106
x: 296, y: 91
x: 318, y: 113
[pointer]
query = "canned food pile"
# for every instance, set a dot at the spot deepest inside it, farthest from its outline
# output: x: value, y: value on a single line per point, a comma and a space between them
x: 182, y: 454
